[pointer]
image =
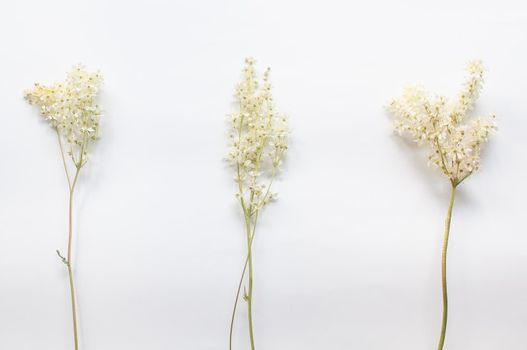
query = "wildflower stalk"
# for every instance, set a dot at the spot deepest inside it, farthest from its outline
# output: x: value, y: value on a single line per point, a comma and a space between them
x: 67, y: 261
x: 72, y: 112
x: 258, y: 140
x: 455, y: 142
x: 443, y: 266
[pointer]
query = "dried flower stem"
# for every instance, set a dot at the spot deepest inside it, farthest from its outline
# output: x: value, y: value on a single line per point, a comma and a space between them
x: 258, y: 143
x: 71, y: 186
x: 71, y: 109
x: 70, y: 273
x: 443, y: 267
x: 249, y: 295
x: 454, y: 139
x: 267, y: 193
x: 240, y: 286
x: 67, y: 261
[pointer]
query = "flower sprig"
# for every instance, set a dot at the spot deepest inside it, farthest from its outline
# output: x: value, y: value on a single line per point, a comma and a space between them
x: 442, y: 124
x: 258, y: 144
x: 455, y: 139
x: 71, y: 109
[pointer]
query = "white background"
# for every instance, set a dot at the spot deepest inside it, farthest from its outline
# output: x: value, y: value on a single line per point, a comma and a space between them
x: 348, y: 258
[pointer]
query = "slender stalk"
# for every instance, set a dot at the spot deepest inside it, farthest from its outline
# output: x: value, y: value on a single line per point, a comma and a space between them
x: 236, y: 302
x: 240, y: 286
x: 63, y: 159
x: 245, y: 211
x: 67, y: 260
x: 249, y: 295
x: 443, y: 267
x: 70, y: 272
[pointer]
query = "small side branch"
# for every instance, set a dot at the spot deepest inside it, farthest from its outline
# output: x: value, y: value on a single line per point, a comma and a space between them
x: 63, y: 158
x: 64, y: 260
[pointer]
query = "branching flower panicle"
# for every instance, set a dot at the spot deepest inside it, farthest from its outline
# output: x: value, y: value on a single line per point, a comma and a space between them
x: 258, y: 140
x: 71, y: 109
x: 443, y: 125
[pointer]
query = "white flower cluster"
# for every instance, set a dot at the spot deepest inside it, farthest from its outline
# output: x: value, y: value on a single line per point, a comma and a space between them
x: 258, y: 140
x: 70, y: 108
x: 455, y: 141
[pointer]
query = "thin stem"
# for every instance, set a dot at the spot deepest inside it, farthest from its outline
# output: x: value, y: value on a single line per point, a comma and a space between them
x: 463, y: 178
x: 249, y: 295
x: 443, y: 162
x: 443, y: 267
x: 70, y: 272
x: 267, y: 192
x: 240, y: 285
x: 67, y: 260
x: 236, y: 302
x: 63, y: 159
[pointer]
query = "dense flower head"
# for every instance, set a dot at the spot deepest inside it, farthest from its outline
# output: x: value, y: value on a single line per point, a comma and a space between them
x: 444, y: 125
x: 257, y: 138
x: 70, y: 106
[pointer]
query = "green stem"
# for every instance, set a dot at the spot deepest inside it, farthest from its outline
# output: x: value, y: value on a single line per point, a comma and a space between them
x: 67, y: 260
x: 70, y: 272
x: 247, y: 213
x: 249, y: 295
x: 240, y: 286
x: 63, y: 159
x: 236, y: 302
x: 443, y: 267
